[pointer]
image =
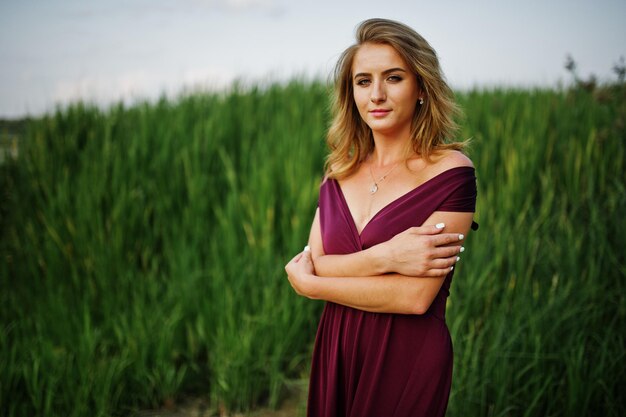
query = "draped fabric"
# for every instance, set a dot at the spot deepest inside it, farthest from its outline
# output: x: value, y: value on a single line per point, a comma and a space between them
x: 380, y: 364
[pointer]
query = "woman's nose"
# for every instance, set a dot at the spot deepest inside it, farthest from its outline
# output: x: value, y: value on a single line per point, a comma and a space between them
x: 378, y: 93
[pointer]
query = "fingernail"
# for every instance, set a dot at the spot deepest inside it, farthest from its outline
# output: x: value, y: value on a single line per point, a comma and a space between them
x: 461, y: 237
x: 307, y: 248
x: 462, y: 249
x: 440, y: 225
x: 458, y: 258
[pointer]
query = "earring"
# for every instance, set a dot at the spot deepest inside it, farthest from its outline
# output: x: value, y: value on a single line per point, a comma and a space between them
x: 421, y: 101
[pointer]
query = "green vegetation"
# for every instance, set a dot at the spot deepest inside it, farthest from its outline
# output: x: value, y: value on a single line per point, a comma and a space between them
x: 142, y: 252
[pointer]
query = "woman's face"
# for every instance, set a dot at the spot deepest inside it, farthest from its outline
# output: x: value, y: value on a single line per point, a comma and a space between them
x: 385, y: 90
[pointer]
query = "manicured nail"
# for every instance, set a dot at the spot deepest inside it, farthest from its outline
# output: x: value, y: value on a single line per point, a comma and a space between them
x: 440, y: 225
x: 458, y: 258
x: 461, y: 237
x: 462, y: 249
x: 307, y: 248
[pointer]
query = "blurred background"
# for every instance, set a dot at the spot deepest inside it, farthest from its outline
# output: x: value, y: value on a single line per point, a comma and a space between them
x: 160, y: 163
x: 103, y: 51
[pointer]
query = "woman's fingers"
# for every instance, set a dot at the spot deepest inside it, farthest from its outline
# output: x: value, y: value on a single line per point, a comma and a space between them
x: 443, y: 263
x: 425, y: 230
x: 301, y: 262
x: 298, y: 269
x: 445, y: 251
x: 441, y: 267
x: 446, y: 239
x: 435, y: 267
x: 436, y: 237
x: 438, y: 273
x: 437, y: 229
x: 305, y: 258
x: 292, y: 264
x: 306, y: 252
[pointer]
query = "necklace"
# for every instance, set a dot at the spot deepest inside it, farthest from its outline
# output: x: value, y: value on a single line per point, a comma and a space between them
x: 374, y: 186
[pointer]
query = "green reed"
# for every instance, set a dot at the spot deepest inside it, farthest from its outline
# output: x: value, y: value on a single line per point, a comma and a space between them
x: 143, y: 249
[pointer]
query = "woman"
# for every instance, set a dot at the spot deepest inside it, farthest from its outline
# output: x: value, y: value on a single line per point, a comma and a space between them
x: 376, y: 250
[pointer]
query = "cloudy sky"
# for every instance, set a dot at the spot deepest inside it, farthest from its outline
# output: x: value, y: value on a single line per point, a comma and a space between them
x: 56, y: 51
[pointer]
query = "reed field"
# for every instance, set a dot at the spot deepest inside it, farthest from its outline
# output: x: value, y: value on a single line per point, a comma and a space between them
x: 142, y: 250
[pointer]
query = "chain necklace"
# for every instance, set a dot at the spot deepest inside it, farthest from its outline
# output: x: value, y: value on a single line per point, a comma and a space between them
x: 374, y: 186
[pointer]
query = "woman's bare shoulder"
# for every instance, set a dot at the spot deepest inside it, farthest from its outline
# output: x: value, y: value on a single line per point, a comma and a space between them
x: 438, y: 162
x: 452, y: 159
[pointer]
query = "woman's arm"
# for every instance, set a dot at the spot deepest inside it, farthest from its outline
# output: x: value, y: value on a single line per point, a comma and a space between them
x: 418, y: 252
x: 380, y: 294
x: 394, y: 293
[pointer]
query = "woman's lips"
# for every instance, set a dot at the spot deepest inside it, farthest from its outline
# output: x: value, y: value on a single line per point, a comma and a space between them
x: 379, y: 112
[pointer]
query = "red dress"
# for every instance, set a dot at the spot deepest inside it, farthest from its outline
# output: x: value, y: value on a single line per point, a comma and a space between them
x: 380, y: 364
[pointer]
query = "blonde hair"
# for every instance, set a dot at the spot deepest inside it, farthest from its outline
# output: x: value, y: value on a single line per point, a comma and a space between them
x: 350, y: 139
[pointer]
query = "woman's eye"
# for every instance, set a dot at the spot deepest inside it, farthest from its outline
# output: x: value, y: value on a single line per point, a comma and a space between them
x: 394, y: 78
x: 363, y: 82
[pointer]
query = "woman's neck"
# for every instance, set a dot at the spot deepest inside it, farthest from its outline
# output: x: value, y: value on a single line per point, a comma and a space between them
x: 389, y: 150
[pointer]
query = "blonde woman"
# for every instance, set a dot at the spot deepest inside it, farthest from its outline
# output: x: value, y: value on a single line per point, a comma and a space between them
x: 377, y: 251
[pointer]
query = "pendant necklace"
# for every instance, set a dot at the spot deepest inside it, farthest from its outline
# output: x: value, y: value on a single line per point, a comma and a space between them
x: 374, y: 186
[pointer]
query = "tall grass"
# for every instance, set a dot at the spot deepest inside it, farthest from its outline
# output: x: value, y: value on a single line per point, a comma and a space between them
x: 143, y: 249
x: 537, y: 313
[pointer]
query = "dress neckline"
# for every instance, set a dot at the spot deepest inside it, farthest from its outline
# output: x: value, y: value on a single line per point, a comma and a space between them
x: 393, y: 202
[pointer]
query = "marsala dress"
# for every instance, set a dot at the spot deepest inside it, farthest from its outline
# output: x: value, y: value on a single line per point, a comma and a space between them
x: 380, y: 364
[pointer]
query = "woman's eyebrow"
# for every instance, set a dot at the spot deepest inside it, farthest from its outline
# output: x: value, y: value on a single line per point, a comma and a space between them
x: 385, y: 72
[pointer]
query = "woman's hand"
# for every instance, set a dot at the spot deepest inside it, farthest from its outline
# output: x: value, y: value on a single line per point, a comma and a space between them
x: 300, y: 271
x: 423, y: 251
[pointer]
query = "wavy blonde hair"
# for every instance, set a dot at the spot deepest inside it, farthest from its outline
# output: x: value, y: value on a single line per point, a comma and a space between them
x: 350, y: 139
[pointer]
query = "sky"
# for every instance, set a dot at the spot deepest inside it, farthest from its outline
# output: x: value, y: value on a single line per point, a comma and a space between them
x: 54, y: 52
